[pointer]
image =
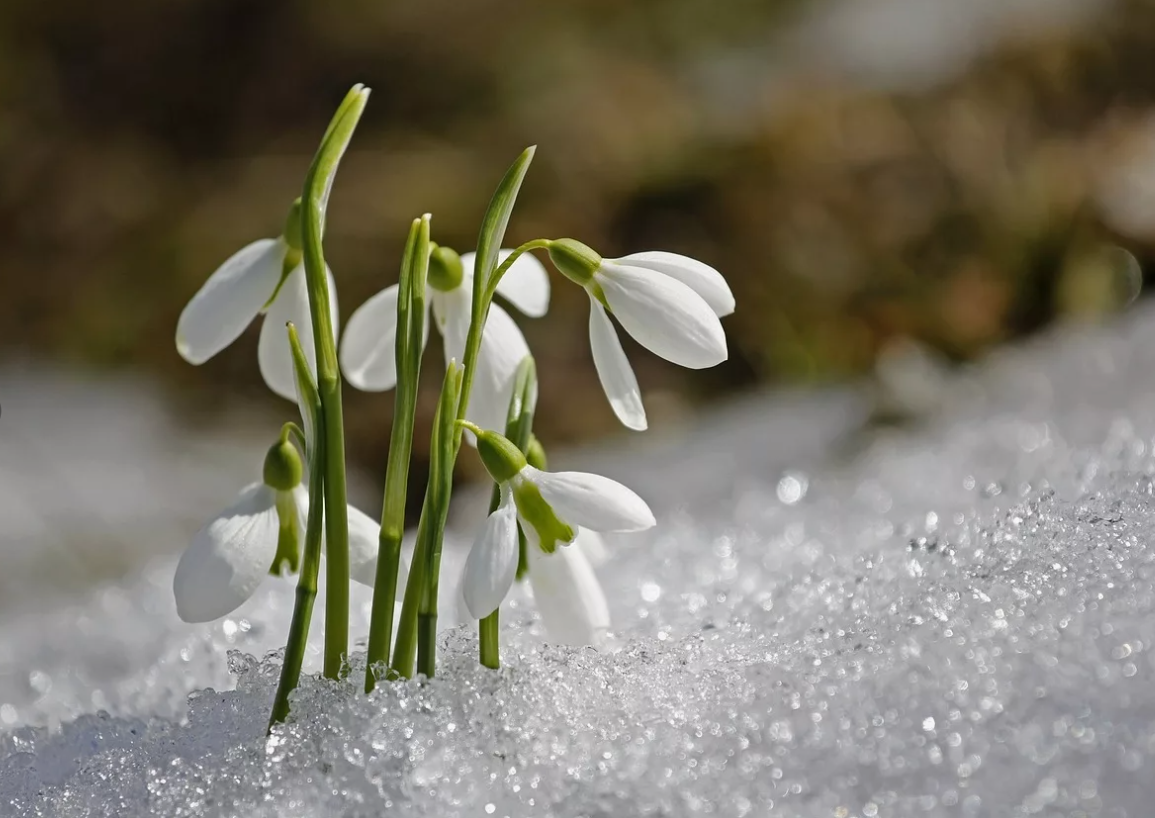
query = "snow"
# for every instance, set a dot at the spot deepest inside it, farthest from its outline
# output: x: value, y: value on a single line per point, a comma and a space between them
x: 951, y: 619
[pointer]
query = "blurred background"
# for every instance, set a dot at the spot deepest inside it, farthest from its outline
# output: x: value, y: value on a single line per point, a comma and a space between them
x: 884, y: 183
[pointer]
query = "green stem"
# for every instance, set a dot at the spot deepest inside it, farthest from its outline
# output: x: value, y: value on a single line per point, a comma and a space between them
x: 314, y: 201
x: 487, y: 631
x: 405, y: 651
x: 410, y: 332
x: 303, y: 607
x: 488, y: 627
x: 336, y: 533
x: 495, y: 279
x: 440, y: 486
x: 311, y: 558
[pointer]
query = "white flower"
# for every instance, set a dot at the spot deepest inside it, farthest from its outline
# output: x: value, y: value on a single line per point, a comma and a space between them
x: 550, y: 506
x: 668, y: 303
x: 368, y: 349
x: 567, y: 593
x: 230, y: 557
x: 251, y: 282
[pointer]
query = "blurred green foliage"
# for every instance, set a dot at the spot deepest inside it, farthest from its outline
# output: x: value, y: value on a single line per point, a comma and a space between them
x: 141, y: 143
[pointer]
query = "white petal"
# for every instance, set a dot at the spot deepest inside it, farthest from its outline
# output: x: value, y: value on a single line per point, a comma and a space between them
x: 229, y: 301
x: 592, y: 545
x: 699, y: 277
x: 369, y: 346
x: 492, y: 562
x: 273, y: 355
x: 568, y: 596
x: 301, y: 501
x: 502, y: 348
x: 451, y: 314
x: 664, y: 315
x: 591, y: 501
x: 614, y: 370
x: 228, y: 558
x: 525, y: 284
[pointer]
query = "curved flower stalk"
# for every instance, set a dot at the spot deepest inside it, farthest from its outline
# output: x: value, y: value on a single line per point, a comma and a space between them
x: 368, y: 357
x: 256, y: 536
x: 668, y: 303
x: 549, y: 506
x: 265, y: 277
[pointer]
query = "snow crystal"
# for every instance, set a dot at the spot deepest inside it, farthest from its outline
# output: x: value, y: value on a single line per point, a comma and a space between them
x: 956, y: 619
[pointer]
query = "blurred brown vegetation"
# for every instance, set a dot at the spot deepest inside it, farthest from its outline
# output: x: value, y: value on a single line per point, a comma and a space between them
x: 141, y: 143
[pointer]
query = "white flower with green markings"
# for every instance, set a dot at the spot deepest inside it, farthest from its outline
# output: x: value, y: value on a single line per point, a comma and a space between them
x: 265, y: 277
x: 259, y: 535
x: 368, y: 348
x: 550, y: 506
x: 668, y: 303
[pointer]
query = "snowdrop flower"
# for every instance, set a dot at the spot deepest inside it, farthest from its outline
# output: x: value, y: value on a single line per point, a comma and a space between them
x: 549, y: 507
x: 263, y: 277
x: 368, y: 349
x: 668, y: 303
x: 256, y: 536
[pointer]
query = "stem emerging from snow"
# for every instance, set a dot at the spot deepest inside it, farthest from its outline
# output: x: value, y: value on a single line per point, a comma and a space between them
x: 410, y: 334
x: 311, y: 558
x: 314, y: 202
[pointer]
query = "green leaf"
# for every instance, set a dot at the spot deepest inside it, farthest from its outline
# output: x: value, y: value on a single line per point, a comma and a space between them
x: 308, y: 399
x: 418, y: 273
x: 497, y: 219
x: 319, y: 180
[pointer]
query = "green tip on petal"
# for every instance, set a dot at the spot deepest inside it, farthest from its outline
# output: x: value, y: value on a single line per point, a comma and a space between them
x: 576, y: 261
x: 535, y: 511
x: 283, y: 468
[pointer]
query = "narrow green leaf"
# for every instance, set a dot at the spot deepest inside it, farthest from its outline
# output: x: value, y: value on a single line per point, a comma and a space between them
x: 410, y: 326
x: 308, y: 399
x: 444, y: 454
x: 497, y: 219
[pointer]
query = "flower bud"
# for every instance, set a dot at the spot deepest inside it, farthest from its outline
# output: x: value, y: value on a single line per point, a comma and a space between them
x: 576, y: 261
x: 502, y: 459
x: 292, y: 231
x: 535, y: 453
x: 445, y: 270
x: 283, y: 469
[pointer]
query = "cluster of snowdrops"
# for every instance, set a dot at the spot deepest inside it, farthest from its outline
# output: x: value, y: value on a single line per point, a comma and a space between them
x: 542, y: 525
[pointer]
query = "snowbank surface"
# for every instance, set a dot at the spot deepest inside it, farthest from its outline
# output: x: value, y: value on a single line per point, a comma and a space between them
x: 954, y: 620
